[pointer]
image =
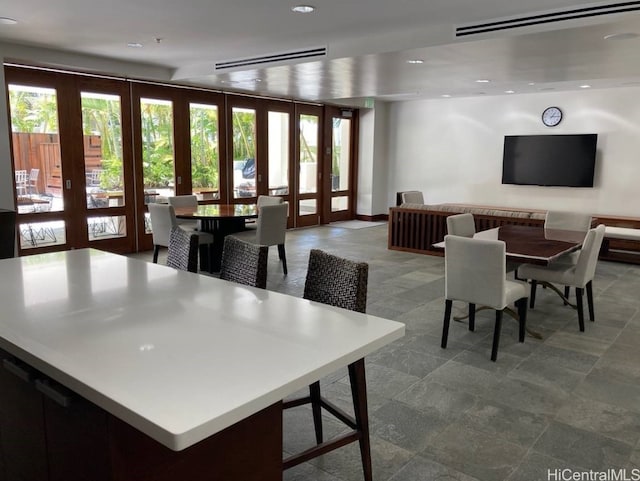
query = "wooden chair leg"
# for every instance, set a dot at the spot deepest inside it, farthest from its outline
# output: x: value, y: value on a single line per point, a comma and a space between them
x: 580, y: 308
x: 496, y: 336
x: 447, y: 319
x: 359, y: 393
x: 522, y: 318
x: 283, y: 257
x: 532, y: 296
x: 156, y: 250
x: 590, y: 301
x: 314, y: 394
x: 472, y: 317
x: 567, y: 292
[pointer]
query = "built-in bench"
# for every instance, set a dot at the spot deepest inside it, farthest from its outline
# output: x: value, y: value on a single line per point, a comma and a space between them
x: 416, y: 227
x: 621, y: 244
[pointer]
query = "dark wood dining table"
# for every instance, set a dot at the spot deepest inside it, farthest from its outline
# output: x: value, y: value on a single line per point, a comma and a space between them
x: 219, y: 220
x: 532, y: 244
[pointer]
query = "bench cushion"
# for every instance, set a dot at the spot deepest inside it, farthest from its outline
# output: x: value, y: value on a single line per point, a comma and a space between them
x: 622, y: 233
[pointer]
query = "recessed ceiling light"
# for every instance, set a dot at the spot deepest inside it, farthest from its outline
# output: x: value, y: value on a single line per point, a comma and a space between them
x: 303, y: 8
x: 7, y: 21
x: 531, y: 83
x: 547, y: 89
x: 621, y: 36
x: 585, y: 86
x: 446, y: 96
x: 415, y: 61
x: 134, y: 45
x: 483, y: 81
x: 509, y: 91
x: 257, y: 80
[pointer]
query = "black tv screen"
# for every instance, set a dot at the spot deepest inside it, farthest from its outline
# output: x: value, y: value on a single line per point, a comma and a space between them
x: 549, y: 160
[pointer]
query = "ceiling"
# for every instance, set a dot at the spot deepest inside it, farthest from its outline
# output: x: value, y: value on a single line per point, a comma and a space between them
x: 368, y: 44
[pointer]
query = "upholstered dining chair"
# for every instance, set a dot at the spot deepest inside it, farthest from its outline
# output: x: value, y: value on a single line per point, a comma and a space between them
x: 412, y: 197
x: 185, y: 201
x: 269, y: 200
x: 341, y: 283
x: 475, y: 272
x: 262, y: 201
x: 572, y: 221
x: 182, y: 252
x: 244, y: 263
x: 163, y: 220
x: 565, y: 220
x: 271, y: 230
x: 578, y: 275
x: 461, y: 225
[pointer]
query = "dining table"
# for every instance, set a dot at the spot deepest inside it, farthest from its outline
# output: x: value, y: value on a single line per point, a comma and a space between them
x: 114, y: 368
x: 527, y: 244
x: 219, y: 220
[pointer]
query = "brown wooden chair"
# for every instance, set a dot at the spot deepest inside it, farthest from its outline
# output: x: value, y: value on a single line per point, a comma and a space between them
x: 342, y: 283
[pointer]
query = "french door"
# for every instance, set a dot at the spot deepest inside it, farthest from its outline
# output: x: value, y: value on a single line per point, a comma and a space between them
x: 339, y: 168
x: 72, y: 168
x: 308, y: 155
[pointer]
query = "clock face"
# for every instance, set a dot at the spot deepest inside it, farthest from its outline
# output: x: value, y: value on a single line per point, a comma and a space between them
x: 551, y: 116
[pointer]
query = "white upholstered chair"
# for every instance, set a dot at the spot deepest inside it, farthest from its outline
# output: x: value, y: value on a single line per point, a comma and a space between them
x: 475, y: 273
x: 262, y: 201
x: 185, y: 201
x: 269, y: 200
x: 461, y: 225
x: 163, y: 220
x: 271, y: 230
x: 412, y: 197
x: 565, y: 220
x: 579, y: 275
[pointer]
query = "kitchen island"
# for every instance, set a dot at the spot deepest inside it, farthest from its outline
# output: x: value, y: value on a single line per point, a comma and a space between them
x: 119, y: 369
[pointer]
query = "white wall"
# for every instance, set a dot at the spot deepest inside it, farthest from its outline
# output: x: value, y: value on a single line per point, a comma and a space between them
x: 372, y: 161
x: 451, y: 149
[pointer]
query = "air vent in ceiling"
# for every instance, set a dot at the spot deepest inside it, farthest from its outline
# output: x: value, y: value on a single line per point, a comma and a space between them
x: 545, y: 18
x: 272, y: 58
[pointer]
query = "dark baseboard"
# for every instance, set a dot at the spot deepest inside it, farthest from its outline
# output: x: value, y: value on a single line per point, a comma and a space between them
x: 373, y: 218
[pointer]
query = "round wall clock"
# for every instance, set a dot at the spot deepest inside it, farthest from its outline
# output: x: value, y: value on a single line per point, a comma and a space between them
x: 551, y: 116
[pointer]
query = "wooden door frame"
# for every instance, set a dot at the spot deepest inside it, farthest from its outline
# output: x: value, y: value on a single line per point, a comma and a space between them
x: 308, y: 220
x: 331, y: 112
x: 186, y: 97
x: 68, y: 87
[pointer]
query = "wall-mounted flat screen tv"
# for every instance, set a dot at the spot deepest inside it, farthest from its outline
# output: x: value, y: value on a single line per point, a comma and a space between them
x: 549, y: 160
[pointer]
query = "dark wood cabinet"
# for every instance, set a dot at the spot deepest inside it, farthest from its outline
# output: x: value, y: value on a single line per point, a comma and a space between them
x: 7, y: 234
x: 48, y: 433
x: 21, y: 423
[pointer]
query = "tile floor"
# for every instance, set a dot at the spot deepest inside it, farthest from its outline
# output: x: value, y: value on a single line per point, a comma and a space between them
x: 568, y: 401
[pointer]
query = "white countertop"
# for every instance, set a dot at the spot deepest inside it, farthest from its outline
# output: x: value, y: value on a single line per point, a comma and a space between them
x: 179, y: 356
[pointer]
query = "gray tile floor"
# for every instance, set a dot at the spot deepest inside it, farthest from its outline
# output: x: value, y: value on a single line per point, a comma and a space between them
x: 568, y: 401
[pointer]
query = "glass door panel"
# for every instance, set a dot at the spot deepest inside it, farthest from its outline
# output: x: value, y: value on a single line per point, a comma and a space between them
x: 37, y: 165
x: 308, y: 211
x: 340, y: 149
x: 158, y: 155
x: 278, y: 136
x: 103, y: 164
x: 205, y: 151
x: 244, y: 152
x: 341, y: 154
